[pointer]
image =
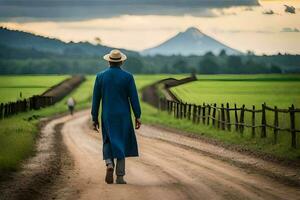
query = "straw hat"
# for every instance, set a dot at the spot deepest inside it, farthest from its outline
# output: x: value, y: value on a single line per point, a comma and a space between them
x: 115, y: 55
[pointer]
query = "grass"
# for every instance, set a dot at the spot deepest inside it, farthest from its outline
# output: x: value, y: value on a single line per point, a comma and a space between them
x: 281, y: 150
x: 275, y: 90
x: 12, y: 86
x: 279, y: 90
x: 287, y: 84
x: 17, y: 134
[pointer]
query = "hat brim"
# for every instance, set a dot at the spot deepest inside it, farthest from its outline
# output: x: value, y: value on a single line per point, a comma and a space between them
x: 107, y: 58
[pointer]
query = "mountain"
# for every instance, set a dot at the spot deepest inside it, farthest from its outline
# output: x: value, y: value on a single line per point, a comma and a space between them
x: 190, y: 42
x: 24, y: 40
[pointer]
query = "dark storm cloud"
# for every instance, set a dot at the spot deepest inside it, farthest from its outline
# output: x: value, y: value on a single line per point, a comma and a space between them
x: 290, y: 9
x: 85, y: 9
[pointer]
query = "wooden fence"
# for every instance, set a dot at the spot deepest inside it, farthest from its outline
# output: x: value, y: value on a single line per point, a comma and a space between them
x: 49, y: 97
x: 33, y: 103
x: 221, y: 117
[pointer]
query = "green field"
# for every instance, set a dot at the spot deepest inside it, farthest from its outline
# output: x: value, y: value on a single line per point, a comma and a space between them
x: 12, y: 86
x: 17, y: 133
x: 275, y: 90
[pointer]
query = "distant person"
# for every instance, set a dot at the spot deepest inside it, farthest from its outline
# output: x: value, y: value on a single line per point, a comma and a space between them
x: 71, y: 105
x: 116, y: 88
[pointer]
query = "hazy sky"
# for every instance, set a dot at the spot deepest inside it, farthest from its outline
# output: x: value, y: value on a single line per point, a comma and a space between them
x: 265, y: 28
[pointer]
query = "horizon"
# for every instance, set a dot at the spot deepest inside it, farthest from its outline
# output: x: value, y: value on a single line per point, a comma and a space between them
x: 264, y: 33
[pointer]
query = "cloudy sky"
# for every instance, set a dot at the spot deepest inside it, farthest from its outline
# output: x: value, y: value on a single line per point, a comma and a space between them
x: 261, y: 26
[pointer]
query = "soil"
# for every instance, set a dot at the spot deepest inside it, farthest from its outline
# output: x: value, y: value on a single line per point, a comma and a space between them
x: 69, y: 165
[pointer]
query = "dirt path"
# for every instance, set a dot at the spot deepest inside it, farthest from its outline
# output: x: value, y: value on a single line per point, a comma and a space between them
x: 69, y: 165
x: 164, y: 170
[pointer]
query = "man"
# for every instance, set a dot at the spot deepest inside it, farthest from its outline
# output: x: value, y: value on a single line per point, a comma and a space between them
x: 116, y: 88
x: 71, y: 104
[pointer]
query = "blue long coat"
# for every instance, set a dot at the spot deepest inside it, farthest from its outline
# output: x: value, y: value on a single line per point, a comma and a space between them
x: 116, y: 88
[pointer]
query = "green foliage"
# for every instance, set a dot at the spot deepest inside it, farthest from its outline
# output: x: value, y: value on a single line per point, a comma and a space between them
x: 208, y: 66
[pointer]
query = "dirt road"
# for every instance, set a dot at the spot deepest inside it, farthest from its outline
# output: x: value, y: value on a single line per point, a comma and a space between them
x: 170, y: 166
x: 164, y: 170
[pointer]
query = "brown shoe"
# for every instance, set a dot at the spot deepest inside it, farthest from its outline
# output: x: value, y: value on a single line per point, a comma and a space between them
x: 120, y: 180
x: 109, y: 178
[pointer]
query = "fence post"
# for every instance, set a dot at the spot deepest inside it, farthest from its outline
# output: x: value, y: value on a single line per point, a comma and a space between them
x: 236, y: 118
x: 177, y: 109
x: 293, y: 131
x: 199, y: 114
x: 184, y: 110
x: 253, y: 122
x: 189, y: 111
x: 275, y: 124
x: 214, y: 115
x: 181, y: 109
x: 1, y: 111
x: 167, y: 105
x: 194, y: 113
x: 228, y: 117
x: 242, y: 119
x: 208, y: 114
x: 164, y: 104
x: 203, y: 113
x: 263, y: 122
x: 222, y: 117
x: 5, y: 111
x: 219, y: 117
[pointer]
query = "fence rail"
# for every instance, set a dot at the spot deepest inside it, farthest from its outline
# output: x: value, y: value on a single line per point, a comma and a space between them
x: 220, y: 117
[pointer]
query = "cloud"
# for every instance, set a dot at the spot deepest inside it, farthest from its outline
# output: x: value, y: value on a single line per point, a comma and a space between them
x: 69, y: 10
x: 269, y: 12
x: 242, y: 31
x: 290, y: 9
x: 290, y: 30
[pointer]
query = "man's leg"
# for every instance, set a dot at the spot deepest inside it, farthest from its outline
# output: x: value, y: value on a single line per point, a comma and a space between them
x: 120, y: 171
x: 109, y: 178
x: 109, y: 162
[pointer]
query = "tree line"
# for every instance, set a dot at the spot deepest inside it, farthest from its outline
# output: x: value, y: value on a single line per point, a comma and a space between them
x: 32, y: 61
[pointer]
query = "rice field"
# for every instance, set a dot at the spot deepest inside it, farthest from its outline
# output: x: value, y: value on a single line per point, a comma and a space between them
x: 274, y: 90
x: 249, y: 90
x: 13, y: 88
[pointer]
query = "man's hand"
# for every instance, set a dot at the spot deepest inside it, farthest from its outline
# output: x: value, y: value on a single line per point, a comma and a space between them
x: 138, y: 123
x: 96, y: 126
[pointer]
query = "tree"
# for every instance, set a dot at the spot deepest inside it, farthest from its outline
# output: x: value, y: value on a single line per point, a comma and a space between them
x: 209, y: 53
x: 208, y: 66
x: 134, y: 65
x: 98, y: 40
x: 223, y: 53
x: 275, y: 69
x: 180, y: 66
